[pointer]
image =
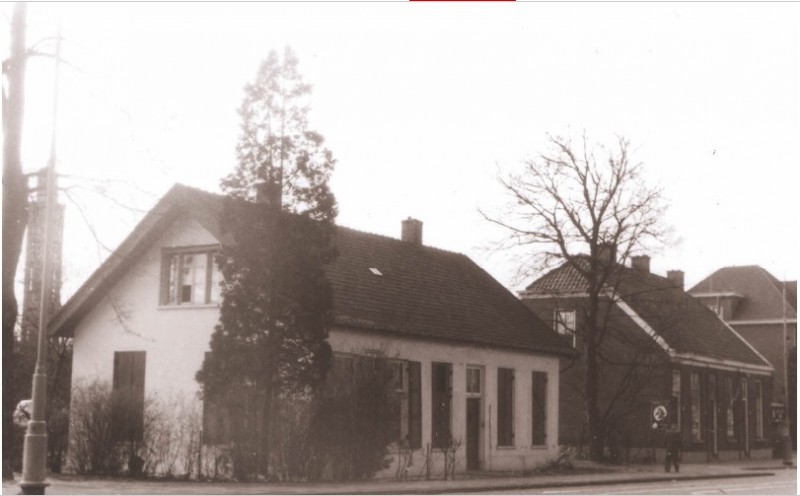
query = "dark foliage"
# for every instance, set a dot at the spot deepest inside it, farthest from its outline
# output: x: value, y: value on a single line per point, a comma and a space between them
x: 270, y: 345
x: 352, y: 424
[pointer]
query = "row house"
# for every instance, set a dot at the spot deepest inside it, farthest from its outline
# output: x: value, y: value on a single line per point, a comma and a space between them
x: 659, y: 346
x: 763, y: 310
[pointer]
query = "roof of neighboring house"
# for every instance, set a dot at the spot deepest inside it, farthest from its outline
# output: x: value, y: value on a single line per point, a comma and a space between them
x: 762, y: 294
x: 685, y: 324
x: 423, y: 291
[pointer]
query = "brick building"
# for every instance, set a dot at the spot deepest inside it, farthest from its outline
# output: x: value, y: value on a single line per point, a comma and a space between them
x: 763, y: 310
x: 661, y: 346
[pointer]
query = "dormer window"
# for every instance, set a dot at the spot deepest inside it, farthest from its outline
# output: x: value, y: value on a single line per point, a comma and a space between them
x: 189, y: 277
x: 564, y: 324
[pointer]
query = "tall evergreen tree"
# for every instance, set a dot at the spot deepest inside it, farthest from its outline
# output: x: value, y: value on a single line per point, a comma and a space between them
x: 271, y: 341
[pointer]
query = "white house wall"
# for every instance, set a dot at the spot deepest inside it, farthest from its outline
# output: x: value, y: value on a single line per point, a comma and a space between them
x: 129, y: 318
x: 175, y: 339
x: 520, y: 457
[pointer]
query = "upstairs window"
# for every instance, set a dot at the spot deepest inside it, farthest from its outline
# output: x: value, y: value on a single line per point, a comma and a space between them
x: 189, y: 277
x: 565, y: 324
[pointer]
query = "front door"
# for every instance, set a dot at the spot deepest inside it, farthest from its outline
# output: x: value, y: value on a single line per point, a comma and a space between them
x: 473, y: 433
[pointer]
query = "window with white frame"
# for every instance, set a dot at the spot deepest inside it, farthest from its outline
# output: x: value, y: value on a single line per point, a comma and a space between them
x: 565, y: 324
x: 473, y: 381
x: 189, y: 277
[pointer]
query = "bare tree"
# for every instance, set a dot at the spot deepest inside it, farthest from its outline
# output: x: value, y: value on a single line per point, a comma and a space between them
x: 15, y: 213
x: 568, y: 202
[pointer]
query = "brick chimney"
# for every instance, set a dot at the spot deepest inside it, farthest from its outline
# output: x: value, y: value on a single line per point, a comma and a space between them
x: 641, y: 262
x: 607, y: 253
x: 269, y: 193
x: 412, y: 231
x: 675, y: 277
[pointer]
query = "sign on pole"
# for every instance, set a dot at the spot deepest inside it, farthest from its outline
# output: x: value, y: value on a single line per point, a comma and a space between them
x: 659, y: 417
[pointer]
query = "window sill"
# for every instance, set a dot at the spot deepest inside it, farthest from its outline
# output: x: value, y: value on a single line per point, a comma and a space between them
x: 506, y: 448
x: 188, y: 306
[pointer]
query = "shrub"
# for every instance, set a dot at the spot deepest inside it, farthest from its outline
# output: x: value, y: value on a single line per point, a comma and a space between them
x: 353, y: 431
x: 93, y: 448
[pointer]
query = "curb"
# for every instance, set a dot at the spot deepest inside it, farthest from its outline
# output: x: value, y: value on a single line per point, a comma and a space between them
x: 543, y: 485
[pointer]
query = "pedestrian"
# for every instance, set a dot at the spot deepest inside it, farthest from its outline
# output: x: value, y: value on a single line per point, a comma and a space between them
x: 672, y: 442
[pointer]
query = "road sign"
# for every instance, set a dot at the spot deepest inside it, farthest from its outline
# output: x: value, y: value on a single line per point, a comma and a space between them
x: 659, y: 415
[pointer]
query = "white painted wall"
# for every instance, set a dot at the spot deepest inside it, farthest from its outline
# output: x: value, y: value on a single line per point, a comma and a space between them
x: 176, y: 338
x: 129, y: 318
x: 522, y: 455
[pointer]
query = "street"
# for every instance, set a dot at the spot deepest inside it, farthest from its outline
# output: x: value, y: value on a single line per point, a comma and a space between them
x: 783, y: 482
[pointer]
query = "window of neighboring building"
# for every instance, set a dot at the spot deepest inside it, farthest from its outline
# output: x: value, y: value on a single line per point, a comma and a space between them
x: 565, y: 324
x: 694, y: 390
x: 675, y: 399
x: 441, y: 395
x: 128, y: 396
x: 505, y: 407
x: 189, y: 277
x: 757, y: 394
x: 539, y: 408
x: 730, y: 398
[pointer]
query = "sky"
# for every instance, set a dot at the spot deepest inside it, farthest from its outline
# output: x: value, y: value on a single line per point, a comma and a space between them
x: 422, y: 104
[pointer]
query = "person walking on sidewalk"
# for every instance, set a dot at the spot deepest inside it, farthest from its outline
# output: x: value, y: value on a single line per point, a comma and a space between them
x: 672, y: 442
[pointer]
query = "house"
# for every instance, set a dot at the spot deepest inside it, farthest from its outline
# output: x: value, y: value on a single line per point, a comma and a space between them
x: 661, y: 347
x: 476, y: 365
x: 763, y: 310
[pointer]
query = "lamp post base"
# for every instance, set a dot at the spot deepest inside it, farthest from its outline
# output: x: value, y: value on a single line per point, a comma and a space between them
x: 33, y: 487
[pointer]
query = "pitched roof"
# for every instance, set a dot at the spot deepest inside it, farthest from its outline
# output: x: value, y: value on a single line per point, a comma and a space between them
x: 684, y: 323
x: 422, y: 291
x: 762, y: 293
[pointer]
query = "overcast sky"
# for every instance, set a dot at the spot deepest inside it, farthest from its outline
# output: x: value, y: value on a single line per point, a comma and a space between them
x: 421, y: 103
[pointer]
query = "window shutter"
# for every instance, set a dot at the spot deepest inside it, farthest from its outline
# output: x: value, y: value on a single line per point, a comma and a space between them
x: 539, y: 408
x: 414, y: 406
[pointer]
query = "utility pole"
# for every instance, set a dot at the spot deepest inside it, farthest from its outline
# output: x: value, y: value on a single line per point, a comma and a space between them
x: 34, y: 461
x: 15, y: 199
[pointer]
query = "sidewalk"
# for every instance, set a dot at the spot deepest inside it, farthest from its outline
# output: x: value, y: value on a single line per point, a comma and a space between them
x: 476, y: 482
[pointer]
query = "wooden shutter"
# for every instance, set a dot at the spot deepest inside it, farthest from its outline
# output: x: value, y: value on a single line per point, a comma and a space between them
x: 128, y: 388
x: 414, y: 406
x: 539, y: 408
x: 505, y: 407
x: 441, y: 380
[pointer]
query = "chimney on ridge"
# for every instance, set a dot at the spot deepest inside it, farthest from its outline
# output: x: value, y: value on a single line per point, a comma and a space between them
x: 641, y: 262
x: 675, y: 277
x: 607, y: 253
x: 269, y: 193
x: 412, y: 231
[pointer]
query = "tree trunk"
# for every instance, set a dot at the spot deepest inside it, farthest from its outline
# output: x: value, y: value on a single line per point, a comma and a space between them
x: 593, y: 418
x: 14, y: 212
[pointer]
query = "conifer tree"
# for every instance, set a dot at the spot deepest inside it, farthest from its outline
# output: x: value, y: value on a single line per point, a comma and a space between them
x: 270, y: 344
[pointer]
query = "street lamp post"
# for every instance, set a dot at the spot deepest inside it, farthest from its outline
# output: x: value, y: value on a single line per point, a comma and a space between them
x: 34, y: 455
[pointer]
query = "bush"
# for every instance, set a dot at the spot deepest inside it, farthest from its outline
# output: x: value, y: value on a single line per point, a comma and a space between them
x: 353, y: 431
x: 93, y: 448
x: 106, y: 437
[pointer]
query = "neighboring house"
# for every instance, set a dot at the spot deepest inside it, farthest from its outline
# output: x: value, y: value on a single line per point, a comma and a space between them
x: 661, y: 346
x: 762, y: 309
x: 474, y: 363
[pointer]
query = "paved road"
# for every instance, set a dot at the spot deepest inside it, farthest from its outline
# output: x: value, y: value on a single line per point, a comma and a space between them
x: 783, y: 482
